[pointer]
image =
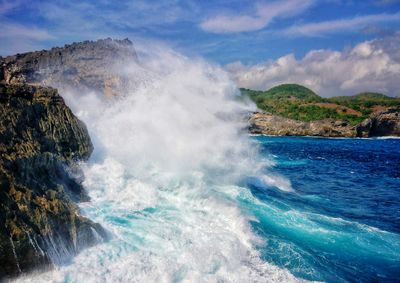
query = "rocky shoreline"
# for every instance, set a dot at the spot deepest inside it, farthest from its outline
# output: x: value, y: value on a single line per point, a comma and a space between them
x: 384, y: 123
x: 41, y: 145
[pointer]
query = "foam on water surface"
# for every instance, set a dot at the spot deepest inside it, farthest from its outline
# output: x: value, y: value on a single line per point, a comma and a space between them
x: 188, y: 196
x: 163, y: 179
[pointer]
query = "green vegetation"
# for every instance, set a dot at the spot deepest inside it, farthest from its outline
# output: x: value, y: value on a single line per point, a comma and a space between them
x: 286, y: 91
x: 300, y: 103
x: 365, y: 101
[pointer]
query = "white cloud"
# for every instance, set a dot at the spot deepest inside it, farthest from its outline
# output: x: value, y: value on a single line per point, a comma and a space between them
x: 75, y: 20
x: 369, y: 66
x: 16, y: 31
x: 263, y: 16
x: 111, y: 15
x: 16, y: 38
x: 320, y: 28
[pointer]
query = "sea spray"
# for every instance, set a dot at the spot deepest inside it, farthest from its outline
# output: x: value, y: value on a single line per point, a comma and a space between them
x: 15, y: 254
x: 169, y: 153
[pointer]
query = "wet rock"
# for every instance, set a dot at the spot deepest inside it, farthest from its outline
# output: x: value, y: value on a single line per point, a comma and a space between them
x: 41, y: 142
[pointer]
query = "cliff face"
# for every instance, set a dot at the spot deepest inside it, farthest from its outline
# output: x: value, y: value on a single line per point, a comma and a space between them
x: 384, y: 123
x: 89, y: 65
x: 40, y: 143
x: 269, y: 124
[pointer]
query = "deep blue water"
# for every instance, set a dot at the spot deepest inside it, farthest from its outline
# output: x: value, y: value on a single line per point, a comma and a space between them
x: 342, y: 222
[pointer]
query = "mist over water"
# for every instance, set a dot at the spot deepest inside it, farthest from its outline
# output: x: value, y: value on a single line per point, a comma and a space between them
x: 188, y: 196
x: 163, y: 179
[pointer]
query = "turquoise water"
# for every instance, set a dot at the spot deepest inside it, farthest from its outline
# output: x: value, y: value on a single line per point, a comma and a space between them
x: 342, y: 223
x: 187, y: 196
x: 337, y: 219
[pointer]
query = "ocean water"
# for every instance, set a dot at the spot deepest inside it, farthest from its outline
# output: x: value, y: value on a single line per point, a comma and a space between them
x: 188, y: 196
x: 342, y: 223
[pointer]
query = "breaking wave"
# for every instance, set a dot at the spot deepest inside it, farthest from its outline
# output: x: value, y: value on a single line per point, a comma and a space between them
x: 170, y: 153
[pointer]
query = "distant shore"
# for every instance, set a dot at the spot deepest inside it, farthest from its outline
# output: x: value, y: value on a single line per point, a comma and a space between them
x: 382, y: 124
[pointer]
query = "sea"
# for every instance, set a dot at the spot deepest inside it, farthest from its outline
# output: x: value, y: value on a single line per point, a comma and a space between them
x: 342, y: 222
x: 187, y: 195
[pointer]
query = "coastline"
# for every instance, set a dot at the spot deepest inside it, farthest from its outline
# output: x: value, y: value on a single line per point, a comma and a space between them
x: 322, y: 137
x: 380, y: 124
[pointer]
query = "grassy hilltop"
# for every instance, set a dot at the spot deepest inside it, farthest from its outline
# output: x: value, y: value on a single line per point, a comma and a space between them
x: 300, y: 103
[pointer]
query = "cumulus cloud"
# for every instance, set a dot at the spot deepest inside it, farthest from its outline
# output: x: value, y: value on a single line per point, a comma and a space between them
x: 320, y: 28
x: 264, y: 14
x: 369, y: 66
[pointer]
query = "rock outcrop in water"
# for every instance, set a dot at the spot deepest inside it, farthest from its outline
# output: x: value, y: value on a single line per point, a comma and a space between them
x: 41, y: 142
x: 383, y: 123
x: 88, y: 65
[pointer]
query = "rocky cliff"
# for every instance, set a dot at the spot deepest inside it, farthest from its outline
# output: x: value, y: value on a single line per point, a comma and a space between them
x: 383, y: 123
x: 88, y: 65
x: 41, y: 142
x: 269, y: 124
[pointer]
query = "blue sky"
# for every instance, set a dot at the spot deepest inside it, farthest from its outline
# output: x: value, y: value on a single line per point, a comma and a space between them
x: 334, y: 47
x: 222, y: 31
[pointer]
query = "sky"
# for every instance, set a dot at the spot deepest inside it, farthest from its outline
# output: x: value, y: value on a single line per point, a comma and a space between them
x: 249, y: 38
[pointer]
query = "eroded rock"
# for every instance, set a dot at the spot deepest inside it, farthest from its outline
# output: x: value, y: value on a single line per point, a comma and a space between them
x: 41, y: 142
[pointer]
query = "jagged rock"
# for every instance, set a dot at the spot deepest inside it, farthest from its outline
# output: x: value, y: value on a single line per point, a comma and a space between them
x: 382, y: 123
x: 88, y: 65
x: 40, y: 143
x: 363, y: 129
x: 385, y: 123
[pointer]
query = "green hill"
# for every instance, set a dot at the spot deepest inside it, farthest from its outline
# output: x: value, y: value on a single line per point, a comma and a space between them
x: 283, y: 92
x: 300, y: 103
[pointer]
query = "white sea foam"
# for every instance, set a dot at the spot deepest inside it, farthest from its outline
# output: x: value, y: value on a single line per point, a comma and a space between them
x: 162, y: 180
